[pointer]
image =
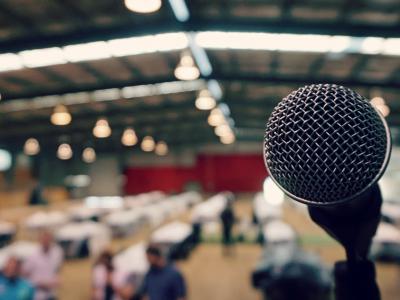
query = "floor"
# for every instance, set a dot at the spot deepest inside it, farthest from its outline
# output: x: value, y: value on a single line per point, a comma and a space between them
x: 211, y: 276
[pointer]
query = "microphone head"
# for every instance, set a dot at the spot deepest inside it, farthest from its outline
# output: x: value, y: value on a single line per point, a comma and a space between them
x: 325, y: 145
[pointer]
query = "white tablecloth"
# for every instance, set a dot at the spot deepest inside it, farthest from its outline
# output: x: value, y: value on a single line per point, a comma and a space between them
x: 7, y: 228
x: 279, y: 231
x: 98, y: 235
x: 46, y: 220
x: 20, y: 249
x: 171, y: 233
x: 264, y: 210
x: 132, y: 260
x: 210, y: 210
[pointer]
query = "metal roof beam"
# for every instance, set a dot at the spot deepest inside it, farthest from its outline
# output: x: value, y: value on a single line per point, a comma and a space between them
x: 243, y: 77
x: 197, y: 24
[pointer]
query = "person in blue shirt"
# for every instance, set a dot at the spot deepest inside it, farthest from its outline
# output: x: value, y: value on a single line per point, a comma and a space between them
x: 162, y: 281
x: 12, y: 286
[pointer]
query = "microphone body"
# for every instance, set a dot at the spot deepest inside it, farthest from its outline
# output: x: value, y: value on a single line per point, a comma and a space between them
x: 326, y: 146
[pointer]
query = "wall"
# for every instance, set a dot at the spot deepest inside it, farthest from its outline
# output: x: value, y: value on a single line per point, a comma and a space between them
x: 213, y: 172
x: 105, y: 176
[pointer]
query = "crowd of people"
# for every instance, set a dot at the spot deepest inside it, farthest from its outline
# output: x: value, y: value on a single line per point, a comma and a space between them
x: 37, y: 278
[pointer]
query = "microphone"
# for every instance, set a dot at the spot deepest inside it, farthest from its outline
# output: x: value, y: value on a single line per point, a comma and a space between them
x: 326, y: 146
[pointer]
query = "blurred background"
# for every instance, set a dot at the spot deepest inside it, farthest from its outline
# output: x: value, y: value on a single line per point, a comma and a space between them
x: 129, y: 122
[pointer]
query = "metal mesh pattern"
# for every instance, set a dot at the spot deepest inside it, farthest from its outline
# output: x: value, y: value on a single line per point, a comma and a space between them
x: 325, y: 143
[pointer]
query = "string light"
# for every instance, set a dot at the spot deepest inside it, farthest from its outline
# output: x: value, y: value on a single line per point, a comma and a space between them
x: 186, y: 69
x: 89, y: 155
x: 216, y: 117
x: 380, y: 104
x: 227, y: 139
x: 205, y: 101
x: 143, y: 6
x: 148, y: 144
x: 60, y: 115
x: 161, y: 148
x: 102, y: 128
x: 129, y: 137
x: 64, y: 151
x: 31, y: 146
x: 223, y: 130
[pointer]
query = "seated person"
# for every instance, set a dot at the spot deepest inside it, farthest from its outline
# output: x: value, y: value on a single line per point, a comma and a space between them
x: 108, y: 283
x: 12, y: 286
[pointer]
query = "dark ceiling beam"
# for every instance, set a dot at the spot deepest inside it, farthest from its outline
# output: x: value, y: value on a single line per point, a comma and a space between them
x: 85, y: 112
x: 243, y: 109
x: 197, y: 24
x: 241, y: 77
x: 296, y: 80
x: 167, y: 133
x: 16, y: 18
x: 158, y: 122
x: 86, y: 87
x: 85, y: 35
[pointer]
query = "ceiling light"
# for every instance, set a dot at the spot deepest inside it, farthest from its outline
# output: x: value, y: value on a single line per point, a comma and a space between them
x: 148, y: 44
x: 89, y: 155
x: 88, y: 51
x: 143, y: 6
x: 31, y: 147
x: 5, y: 160
x: 383, y: 109
x: 376, y: 101
x: 148, y: 144
x: 102, y: 128
x: 205, y: 101
x: 186, y: 69
x: 129, y: 137
x: 223, y: 130
x: 42, y: 57
x: 64, y: 151
x: 61, y: 115
x: 272, y: 193
x: 161, y: 148
x: 227, y: 139
x: 216, y: 117
x: 9, y: 62
x: 371, y: 45
x: 380, y: 104
x: 392, y: 46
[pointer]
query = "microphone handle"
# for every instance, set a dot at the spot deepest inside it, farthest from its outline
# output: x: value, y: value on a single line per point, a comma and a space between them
x: 353, y: 224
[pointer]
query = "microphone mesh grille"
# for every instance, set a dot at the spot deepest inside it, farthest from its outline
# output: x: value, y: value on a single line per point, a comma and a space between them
x: 325, y: 143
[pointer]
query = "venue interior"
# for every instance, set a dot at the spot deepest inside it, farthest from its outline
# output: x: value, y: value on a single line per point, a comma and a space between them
x: 129, y: 123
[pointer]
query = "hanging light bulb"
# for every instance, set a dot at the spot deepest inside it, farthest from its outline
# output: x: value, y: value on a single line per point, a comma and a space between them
x: 31, y: 146
x: 216, y: 118
x: 186, y: 69
x: 205, y: 101
x: 143, y: 6
x: 148, y: 144
x: 161, y: 148
x: 102, y: 129
x: 88, y: 155
x: 129, y: 137
x: 64, y: 151
x: 380, y: 104
x: 223, y: 130
x: 383, y: 109
x: 376, y: 101
x: 227, y: 139
x: 60, y: 115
